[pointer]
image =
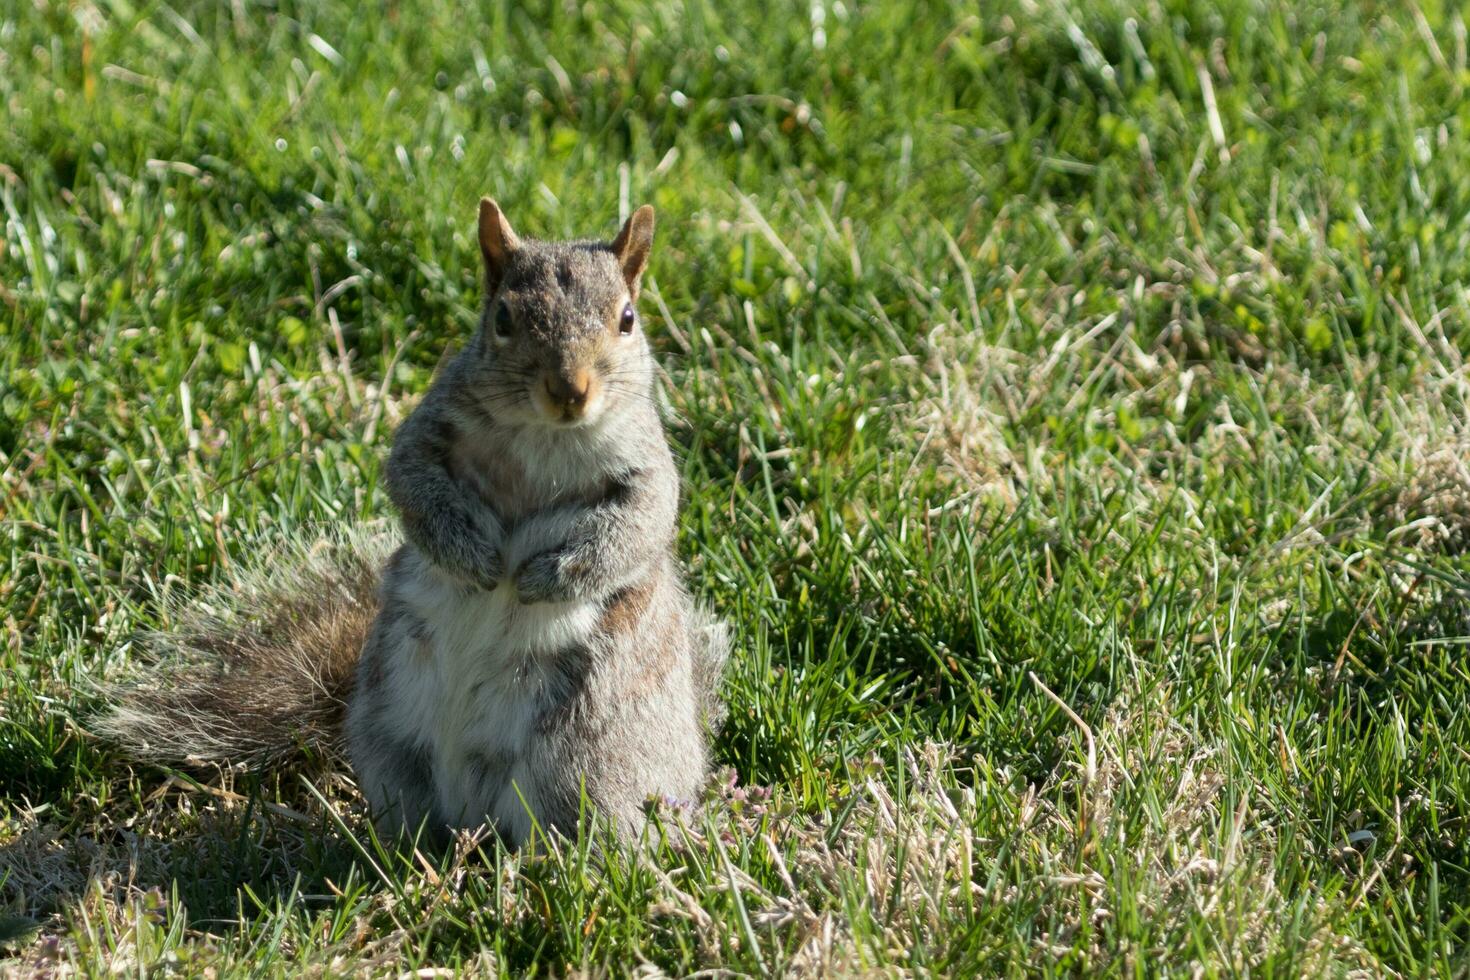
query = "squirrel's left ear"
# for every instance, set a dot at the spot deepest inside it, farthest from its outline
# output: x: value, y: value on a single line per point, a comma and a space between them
x: 632, y: 246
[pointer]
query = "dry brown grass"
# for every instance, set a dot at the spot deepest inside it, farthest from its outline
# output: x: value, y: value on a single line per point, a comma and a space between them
x: 1201, y: 865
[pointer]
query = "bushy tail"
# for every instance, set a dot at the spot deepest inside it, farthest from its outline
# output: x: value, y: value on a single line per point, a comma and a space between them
x: 257, y: 669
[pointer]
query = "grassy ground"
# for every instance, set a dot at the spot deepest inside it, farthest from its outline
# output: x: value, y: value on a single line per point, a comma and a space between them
x: 1071, y: 399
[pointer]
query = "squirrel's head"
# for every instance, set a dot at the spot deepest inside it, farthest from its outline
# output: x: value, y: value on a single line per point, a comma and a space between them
x: 560, y: 339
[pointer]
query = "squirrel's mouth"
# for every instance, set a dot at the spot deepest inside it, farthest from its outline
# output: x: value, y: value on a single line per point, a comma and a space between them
x: 567, y: 416
x: 567, y: 404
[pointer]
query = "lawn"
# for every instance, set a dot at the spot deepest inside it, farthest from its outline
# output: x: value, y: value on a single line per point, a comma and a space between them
x: 1071, y: 401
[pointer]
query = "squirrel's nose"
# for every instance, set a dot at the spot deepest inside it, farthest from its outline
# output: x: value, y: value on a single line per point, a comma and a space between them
x: 569, y: 391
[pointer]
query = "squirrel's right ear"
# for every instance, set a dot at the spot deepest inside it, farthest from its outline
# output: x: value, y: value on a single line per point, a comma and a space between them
x: 632, y: 246
x: 497, y: 241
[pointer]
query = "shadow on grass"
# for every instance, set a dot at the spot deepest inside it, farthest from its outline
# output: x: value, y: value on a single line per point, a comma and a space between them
x: 226, y: 857
x: 1384, y: 684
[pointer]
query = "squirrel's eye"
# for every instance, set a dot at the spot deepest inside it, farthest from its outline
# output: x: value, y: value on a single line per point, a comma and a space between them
x: 503, y: 325
x: 625, y: 325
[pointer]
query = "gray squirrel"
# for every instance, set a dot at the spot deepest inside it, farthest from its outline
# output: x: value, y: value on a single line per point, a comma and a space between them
x: 531, y: 641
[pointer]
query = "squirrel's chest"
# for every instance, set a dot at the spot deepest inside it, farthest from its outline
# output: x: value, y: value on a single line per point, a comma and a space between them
x: 519, y: 476
x: 497, y: 476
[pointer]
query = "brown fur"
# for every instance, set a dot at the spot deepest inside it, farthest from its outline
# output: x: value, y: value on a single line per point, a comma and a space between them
x: 625, y: 608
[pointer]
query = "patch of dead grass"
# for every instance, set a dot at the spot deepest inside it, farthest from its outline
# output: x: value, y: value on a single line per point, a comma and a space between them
x: 1077, y: 850
x: 1413, y: 444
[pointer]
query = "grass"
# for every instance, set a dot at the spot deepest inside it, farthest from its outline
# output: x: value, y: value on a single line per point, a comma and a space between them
x: 1072, y: 406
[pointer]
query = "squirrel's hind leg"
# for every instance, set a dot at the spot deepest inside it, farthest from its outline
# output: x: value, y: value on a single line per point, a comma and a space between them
x: 395, y: 775
x: 397, y: 780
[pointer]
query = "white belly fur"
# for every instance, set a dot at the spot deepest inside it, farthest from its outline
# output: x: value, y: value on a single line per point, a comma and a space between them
x: 473, y: 689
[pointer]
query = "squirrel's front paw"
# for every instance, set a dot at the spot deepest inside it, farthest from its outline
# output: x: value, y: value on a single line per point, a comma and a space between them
x: 544, y: 578
x: 489, y: 571
x: 477, y: 565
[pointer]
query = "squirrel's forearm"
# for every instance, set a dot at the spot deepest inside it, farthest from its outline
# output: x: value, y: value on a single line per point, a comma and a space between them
x: 440, y: 515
